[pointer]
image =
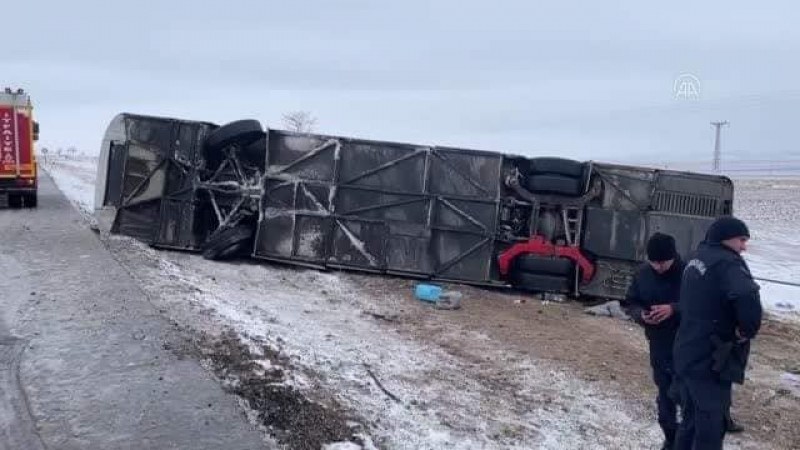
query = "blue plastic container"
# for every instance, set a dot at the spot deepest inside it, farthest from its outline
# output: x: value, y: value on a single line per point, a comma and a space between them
x: 428, y: 292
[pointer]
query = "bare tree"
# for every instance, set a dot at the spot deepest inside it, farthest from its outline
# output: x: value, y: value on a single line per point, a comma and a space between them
x: 300, y: 121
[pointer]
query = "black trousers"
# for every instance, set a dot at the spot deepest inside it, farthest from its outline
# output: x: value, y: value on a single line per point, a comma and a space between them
x: 705, y: 401
x: 663, y: 375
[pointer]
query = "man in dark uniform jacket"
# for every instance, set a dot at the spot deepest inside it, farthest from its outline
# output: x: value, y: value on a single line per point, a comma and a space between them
x: 720, y: 313
x: 652, y: 301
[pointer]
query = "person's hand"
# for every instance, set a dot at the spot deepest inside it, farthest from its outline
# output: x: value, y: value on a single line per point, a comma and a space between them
x: 648, y: 318
x: 660, y: 313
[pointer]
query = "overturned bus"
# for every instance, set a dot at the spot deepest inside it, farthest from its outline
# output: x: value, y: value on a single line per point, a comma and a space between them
x: 539, y: 224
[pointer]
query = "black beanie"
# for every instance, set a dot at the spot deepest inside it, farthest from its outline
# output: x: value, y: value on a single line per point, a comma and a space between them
x: 726, y: 227
x: 661, y: 247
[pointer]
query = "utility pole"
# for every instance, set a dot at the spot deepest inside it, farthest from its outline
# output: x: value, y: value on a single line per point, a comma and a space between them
x: 717, y: 152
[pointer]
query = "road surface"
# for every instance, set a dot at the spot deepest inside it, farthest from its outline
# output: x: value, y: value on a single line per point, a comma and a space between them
x: 86, y: 361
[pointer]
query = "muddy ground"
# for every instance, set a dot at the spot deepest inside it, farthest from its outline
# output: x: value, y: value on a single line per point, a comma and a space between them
x: 609, y: 352
x: 258, y: 375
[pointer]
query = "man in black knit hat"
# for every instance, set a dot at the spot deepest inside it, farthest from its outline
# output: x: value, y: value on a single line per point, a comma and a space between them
x: 652, y: 301
x: 720, y: 313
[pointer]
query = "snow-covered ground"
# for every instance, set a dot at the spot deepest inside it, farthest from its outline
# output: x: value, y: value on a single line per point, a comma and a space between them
x: 75, y: 177
x: 442, y: 400
x: 771, y: 209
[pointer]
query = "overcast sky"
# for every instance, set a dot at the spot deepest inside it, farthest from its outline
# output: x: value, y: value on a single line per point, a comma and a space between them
x: 589, y: 80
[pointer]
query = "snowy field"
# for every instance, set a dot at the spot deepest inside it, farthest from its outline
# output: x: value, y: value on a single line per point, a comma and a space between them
x: 771, y: 209
x: 469, y: 379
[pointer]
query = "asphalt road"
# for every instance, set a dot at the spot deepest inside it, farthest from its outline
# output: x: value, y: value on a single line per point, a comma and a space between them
x: 86, y: 362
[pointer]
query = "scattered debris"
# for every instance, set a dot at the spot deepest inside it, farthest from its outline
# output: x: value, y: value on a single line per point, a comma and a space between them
x: 441, y: 298
x: 380, y: 385
x: 449, y: 300
x: 427, y: 292
x: 608, y: 309
x: 384, y: 317
x: 553, y: 297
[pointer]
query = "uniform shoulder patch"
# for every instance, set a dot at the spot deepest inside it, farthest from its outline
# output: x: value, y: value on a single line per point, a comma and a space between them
x: 696, y: 264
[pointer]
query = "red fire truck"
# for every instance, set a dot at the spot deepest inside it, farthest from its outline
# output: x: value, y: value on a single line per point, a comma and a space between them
x: 18, y: 131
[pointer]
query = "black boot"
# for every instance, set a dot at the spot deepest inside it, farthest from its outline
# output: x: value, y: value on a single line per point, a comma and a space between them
x: 731, y: 426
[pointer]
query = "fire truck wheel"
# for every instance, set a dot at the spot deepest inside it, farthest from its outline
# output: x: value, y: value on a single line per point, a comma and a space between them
x: 555, y: 184
x: 15, y: 200
x: 31, y: 200
x: 544, y: 266
x: 227, y: 243
x: 557, y: 166
x: 532, y: 282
